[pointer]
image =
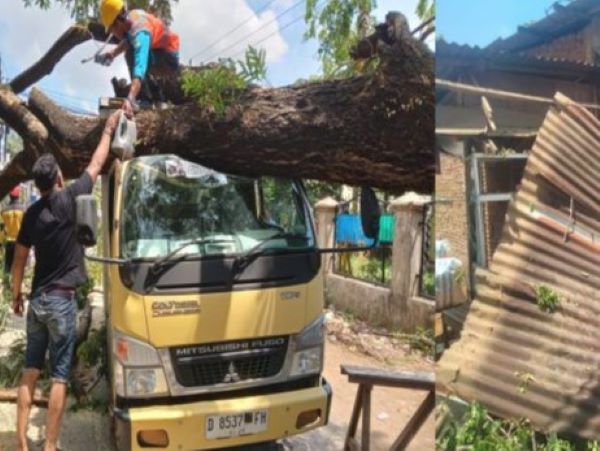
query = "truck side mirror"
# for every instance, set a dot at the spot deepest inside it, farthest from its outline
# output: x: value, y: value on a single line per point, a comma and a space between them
x: 86, y: 220
x: 369, y: 213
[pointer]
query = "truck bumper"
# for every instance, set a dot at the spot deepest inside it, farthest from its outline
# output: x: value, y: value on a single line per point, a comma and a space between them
x: 184, y: 424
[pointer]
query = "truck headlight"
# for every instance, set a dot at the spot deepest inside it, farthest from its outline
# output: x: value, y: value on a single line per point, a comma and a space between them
x: 137, y: 369
x: 308, y: 355
x: 144, y: 381
x: 309, y: 361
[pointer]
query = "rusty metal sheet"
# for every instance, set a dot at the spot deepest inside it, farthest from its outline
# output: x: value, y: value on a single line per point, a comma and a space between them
x: 516, y: 359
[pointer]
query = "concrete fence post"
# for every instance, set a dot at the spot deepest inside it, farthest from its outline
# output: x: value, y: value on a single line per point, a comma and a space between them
x: 406, y: 257
x: 325, y: 210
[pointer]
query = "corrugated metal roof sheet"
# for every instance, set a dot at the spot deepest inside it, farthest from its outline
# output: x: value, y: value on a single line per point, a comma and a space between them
x: 516, y: 359
x: 564, y: 19
x: 445, y: 49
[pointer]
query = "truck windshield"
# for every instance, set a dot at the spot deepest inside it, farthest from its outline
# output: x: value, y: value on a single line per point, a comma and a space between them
x: 169, y: 202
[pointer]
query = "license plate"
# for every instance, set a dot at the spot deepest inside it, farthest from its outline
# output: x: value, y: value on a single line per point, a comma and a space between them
x: 236, y: 424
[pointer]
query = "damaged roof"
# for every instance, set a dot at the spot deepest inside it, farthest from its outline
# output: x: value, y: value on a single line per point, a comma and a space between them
x: 512, y: 356
x: 526, y: 61
x: 564, y: 19
x: 519, y: 49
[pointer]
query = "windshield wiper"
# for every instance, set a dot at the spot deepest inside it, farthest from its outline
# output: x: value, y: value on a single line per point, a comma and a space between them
x: 241, y: 261
x: 158, y: 264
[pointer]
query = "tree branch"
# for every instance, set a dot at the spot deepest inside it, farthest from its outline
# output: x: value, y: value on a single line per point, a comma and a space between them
x: 74, y: 36
x: 426, y: 33
x: 423, y: 24
x: 19, y: 118
x: 17, y: 171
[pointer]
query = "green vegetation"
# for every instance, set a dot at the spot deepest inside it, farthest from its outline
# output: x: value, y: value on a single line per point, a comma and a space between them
x: 547, y: 299
x: 524, y: 380
x: 367, y: 266
x: 91, y: 356
x: 219, y: 87
x: 12, y: 363
x: 339, y: 25
x: 425, y: 9
x: 82, y: 292
x: 422, y: 341
x: 429, y: 283
x: 478, y: 431
x: 317, y: 190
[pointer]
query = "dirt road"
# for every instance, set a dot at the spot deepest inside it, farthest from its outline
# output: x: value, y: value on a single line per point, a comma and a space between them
x: 85, y: 430
x: 391, y: 408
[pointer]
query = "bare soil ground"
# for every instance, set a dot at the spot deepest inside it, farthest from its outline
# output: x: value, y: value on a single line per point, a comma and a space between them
x: 84, y: 430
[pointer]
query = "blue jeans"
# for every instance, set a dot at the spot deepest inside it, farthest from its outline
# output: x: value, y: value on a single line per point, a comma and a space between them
x: 51, y: 324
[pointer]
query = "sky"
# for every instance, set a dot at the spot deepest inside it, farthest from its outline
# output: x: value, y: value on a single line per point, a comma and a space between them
x: 27, y: 33
x: 481, y: 22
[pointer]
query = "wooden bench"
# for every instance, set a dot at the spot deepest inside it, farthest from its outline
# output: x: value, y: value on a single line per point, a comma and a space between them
x: 366, y: 378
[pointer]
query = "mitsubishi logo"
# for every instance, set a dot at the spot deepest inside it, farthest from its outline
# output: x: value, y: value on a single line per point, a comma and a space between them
x: 232, y: 375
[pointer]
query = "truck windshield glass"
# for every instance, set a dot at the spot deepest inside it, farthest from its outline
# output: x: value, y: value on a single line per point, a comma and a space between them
x: 168, y: 202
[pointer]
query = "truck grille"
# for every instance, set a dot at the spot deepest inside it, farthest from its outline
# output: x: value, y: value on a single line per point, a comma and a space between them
x: 228, y: 362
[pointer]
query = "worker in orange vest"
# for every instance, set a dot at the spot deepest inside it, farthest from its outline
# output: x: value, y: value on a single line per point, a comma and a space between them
x: 12, y: 216
x: 154, y: 48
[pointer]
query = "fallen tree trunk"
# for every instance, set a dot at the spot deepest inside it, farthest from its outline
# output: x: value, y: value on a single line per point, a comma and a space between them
x: 372, y: 130
x: 11, y: 395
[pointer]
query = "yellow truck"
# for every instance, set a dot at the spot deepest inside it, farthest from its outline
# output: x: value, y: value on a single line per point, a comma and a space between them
x: 214, y: 304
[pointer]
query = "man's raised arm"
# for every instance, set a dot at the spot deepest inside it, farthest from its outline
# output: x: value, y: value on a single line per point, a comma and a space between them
x: 101, y: 153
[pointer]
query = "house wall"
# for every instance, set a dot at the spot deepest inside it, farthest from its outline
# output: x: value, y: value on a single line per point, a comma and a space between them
x: 450, y: 209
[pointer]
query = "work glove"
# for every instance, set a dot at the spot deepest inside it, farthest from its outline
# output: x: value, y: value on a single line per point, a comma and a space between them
x: 104, y: 59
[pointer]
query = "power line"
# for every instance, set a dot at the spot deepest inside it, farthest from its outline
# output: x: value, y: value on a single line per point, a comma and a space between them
x: 237, y: 27
x: 68, y: 96
x: 275, y: 32
x: 255, y: 31
x: 270, y: 35
x: 68, y: 101
x: 71, y: 107
x: 60, y: 99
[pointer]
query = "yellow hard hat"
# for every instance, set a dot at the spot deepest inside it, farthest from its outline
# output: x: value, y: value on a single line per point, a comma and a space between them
x: 109, y: 10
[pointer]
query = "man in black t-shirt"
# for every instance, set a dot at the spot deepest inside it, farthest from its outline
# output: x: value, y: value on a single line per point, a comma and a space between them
x: 49, y: 227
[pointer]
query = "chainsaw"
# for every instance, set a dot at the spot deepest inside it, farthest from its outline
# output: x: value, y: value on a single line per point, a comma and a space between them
x: 98, y: 57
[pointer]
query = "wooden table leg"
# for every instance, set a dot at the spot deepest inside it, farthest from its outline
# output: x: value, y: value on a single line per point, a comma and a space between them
x: 366, y: 417
x: 354, y: 419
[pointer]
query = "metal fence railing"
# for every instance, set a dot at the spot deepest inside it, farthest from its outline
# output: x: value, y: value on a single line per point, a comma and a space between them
x: 374, y: 265
x: 427, y: 288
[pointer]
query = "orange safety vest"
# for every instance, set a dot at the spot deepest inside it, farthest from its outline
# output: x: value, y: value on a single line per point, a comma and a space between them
x: 160, y: 35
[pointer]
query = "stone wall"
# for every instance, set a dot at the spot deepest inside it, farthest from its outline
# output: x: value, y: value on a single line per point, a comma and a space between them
x: 366, y: 301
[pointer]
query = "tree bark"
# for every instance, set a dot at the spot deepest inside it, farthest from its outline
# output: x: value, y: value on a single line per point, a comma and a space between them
x: 375, y: 130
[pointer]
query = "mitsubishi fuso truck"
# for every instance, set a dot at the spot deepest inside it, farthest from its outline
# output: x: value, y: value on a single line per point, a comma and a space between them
x: 213, y: 294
